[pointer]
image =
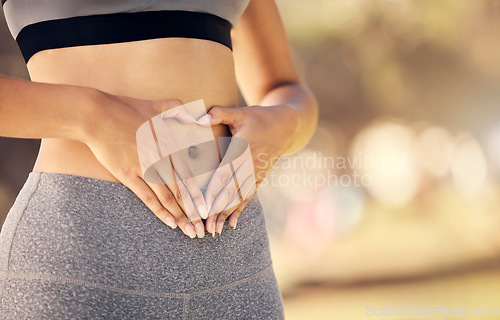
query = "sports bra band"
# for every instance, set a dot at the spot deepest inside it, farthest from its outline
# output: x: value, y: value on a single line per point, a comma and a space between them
x: 122, y: 27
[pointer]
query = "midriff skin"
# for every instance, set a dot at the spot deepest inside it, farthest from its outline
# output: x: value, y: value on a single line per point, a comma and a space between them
x: 172, y: 68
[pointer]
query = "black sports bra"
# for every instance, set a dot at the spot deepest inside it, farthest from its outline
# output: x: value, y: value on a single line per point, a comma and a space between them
x: 40, y: 25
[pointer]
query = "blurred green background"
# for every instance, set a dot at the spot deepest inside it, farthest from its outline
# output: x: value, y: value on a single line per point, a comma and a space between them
x: 396, y: 200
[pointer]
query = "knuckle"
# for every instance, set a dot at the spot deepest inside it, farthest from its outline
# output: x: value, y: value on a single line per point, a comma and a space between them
x: 224, y: 178
x: 211, y: 195
x: 184, y: 194
x: 214, y: 111
x: 149, y: 198
x: 128, y: 172
x: 181, y: 219
x: 160, y: 212
x: 188, y: 178
x: 168, y: 198
x: 178, y: 194
x: 223, y: 215
x: 198, y: 199
x: 230, y: 193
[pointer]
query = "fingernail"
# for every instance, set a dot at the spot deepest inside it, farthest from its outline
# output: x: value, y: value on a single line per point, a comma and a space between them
x: 235, y: 223
x: 204, y: 120
x: 170, y: 222
x: 202, y: 210
x: 213, y: 234
x: 219, y: 227
x: 190, y: 231
x: 200, y: 231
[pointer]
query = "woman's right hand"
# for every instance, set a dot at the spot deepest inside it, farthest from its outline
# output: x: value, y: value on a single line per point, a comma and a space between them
x: 110, y: 133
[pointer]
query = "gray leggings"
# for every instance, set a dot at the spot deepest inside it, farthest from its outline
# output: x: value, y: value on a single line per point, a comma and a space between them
x: 73, y: 247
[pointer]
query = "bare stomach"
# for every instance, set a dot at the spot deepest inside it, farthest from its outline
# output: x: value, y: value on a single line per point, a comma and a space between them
x: 174, y: 68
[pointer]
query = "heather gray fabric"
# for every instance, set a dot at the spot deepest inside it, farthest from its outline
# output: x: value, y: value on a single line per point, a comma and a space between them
x: 79, y: 248
x: 20, y: 13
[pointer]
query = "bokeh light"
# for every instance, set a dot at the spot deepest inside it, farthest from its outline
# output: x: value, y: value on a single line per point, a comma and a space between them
x: 387, y: 148
x: 468, y: 165
x: 493, y: 147
x: 435, y: 145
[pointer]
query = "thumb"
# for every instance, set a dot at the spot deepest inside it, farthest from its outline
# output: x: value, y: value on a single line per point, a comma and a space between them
x: 180, y: 114
x: 224, y: 115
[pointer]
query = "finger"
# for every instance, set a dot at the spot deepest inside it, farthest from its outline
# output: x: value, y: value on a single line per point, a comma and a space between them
x: 241, y: 182
x: 176, y: 174
x: 225, y: 196
x: 247, y: 188
x: 183, y: 171
x: 237, y: 153
x: 180, y: 114
x: 222, y: 198
x: 149, y: 198
x: 167, y: 177
x: 221, y: 218
x: 222, y: 176
x: 225, y: 115
x: 233, y: 191
x: 233, y: 218
x: 169, y: 202
x: 190, y: 211
x: 230, y: 197
x: 204, y: 120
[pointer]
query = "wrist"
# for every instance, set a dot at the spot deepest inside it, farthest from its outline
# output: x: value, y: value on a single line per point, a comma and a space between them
x: 89, y: 102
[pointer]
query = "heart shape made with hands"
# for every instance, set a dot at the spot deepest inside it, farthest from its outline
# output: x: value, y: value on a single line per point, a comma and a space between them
x: 178, y: 147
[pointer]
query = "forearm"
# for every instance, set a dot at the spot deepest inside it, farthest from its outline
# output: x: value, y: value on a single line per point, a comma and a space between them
x: 303, y: 101
x: 34, y: 110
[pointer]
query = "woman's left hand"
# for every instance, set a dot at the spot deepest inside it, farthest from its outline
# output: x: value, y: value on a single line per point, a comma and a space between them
x: 269, y: 131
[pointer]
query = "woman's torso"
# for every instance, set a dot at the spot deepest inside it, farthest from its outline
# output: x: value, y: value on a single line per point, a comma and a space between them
x: 171, y: 68
x: 154, y: 67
